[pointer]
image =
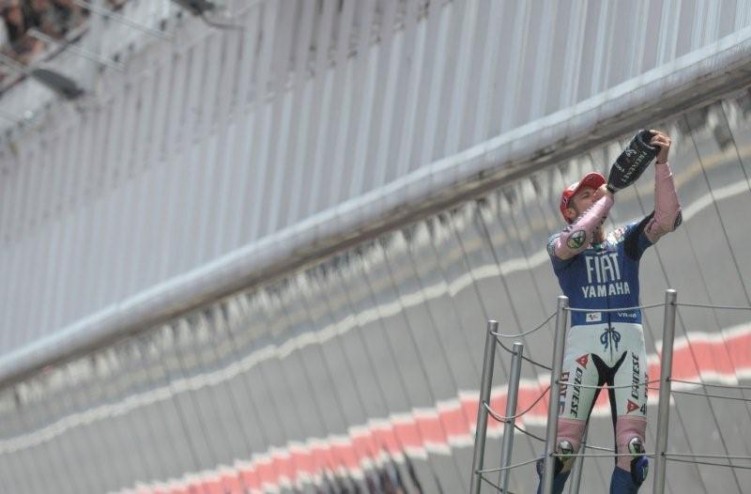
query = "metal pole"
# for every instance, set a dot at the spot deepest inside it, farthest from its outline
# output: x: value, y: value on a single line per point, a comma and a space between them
x: 561, y: 322
x: 663, y: 408
x: 482, y: 412
x: 511, y: 400
x: 576, y: 479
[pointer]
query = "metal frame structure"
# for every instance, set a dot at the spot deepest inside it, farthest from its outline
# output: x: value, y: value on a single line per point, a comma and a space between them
x: 549, y: 455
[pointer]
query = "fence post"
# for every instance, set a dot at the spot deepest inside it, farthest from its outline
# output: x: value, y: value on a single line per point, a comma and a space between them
x: 561, y: 322
x: 482, y: 412
x: 576, y: 473
x: 511, y: 400
x: 663, y: 407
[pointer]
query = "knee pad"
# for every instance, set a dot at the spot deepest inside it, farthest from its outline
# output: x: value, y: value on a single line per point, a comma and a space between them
x: 558, y: 468
x: 570, y: 434
x: 636, y: 463
x: 563, y: 449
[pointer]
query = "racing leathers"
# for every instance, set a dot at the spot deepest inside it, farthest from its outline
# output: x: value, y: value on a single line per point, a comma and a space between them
x: 605, y: 345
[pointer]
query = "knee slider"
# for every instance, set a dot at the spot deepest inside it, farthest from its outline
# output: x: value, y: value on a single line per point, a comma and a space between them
x: 639, y: 463
x: 564, y: 460
x: 570, y: 433
x: 636, y: 446
x: 540, y: 466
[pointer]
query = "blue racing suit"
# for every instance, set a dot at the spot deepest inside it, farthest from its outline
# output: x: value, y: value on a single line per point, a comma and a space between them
x: 605, y: 344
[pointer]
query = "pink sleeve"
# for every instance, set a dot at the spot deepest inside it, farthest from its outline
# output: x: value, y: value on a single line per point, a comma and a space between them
x: 667, y: 215
x: 578, y: 235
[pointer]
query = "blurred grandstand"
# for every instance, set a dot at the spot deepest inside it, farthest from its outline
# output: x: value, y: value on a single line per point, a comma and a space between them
x: 62, y: 44
x: 28, y: 24
x: 59, y: 19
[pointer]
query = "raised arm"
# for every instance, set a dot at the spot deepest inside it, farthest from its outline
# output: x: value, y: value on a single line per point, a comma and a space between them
x: 667, y: 214
x: 579, y: 234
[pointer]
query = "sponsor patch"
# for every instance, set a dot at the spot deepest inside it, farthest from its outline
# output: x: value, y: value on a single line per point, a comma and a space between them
x: 594, y: 316
x: 562, y: 397
x: 635, y: 376
x: 627, y: 315
x: 583, y: 360
x: 576, y: 239
x: 578, y: 374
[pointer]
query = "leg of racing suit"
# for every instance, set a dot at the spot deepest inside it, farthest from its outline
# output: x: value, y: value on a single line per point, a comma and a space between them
x: 630, y: 396
x: 580, y: 376
x: 630, y: 471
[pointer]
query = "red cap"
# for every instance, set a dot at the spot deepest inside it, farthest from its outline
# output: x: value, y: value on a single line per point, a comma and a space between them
x: 592, y: 179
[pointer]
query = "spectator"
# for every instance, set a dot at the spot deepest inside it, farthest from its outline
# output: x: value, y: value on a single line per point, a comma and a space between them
x: 69, y: 15
x: 21, y: 46
x: 41, y: 15
x: 54, y: 18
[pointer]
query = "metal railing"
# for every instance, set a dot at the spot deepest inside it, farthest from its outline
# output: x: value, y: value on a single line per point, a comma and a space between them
x: 661, y: 455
